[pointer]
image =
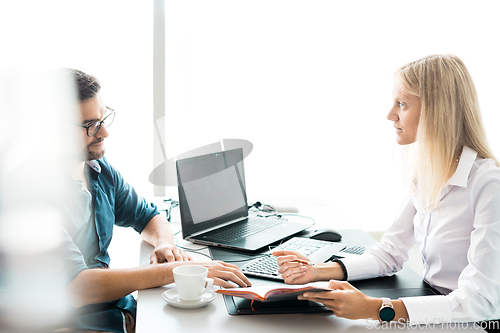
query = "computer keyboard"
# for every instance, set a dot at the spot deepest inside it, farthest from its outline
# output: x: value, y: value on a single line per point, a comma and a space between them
x: 238, y: 231
x: 354, y: 250
x: 267, y: 266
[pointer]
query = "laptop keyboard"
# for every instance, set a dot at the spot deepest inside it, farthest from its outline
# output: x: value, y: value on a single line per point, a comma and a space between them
x: 267, y: 266
x: 243, y: 230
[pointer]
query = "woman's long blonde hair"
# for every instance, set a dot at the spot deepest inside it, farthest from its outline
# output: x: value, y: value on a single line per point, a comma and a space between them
x: 449, y: 120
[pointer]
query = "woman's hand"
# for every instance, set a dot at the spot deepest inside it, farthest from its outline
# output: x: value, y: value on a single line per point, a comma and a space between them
x: 346, y: 301
x: 167, y: 252
x: 223, y: 272
x: 291, y: 270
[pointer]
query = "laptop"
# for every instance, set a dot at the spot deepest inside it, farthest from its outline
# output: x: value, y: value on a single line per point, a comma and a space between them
x: 214, y: 209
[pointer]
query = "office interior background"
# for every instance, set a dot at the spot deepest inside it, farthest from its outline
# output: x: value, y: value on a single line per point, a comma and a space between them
x: 309, y: 83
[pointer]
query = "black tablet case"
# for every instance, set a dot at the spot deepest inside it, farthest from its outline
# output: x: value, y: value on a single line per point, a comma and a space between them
x: 241, y: 306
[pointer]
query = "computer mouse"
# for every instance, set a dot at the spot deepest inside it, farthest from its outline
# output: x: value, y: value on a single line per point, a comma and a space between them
x: 326, y: 234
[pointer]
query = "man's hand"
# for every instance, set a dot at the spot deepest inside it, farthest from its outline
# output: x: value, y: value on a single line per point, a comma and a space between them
x: 159, y: 234
x: 223, y: 272
x: 167, y: 252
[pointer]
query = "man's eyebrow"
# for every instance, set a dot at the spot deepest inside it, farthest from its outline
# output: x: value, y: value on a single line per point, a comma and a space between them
x: 97, y: 119
x: 90, y: 121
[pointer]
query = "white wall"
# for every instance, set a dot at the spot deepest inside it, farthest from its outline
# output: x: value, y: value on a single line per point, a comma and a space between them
x: 110, y: 39
x: 308, y: 82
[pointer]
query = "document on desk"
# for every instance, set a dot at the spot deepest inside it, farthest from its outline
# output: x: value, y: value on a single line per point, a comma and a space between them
x: 271, y: 293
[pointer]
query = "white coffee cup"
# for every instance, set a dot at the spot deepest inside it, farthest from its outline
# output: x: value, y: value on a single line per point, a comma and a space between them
x: 191, y: 282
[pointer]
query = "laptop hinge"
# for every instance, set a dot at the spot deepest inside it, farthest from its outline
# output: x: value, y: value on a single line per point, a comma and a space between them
x: 217, y: 226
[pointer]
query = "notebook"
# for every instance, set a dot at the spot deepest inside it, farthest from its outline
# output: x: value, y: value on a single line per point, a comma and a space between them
x: 214, y: 209
x: 405, y: 283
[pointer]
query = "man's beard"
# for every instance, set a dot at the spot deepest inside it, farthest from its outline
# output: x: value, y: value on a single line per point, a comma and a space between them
x: 93, y: 155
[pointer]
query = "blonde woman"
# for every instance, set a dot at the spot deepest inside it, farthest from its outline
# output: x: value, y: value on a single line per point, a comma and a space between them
x: 452, y: 214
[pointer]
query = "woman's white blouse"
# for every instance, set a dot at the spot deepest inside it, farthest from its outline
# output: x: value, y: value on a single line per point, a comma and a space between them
x: 459, y: 243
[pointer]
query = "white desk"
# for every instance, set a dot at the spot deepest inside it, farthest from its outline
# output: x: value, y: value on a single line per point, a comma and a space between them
x: 155, y: 315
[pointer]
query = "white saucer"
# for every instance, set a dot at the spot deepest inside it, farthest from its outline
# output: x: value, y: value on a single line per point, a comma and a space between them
x: 172, y: 297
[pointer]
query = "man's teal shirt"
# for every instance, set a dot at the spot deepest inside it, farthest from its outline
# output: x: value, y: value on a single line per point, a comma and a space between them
x: 89, y: 217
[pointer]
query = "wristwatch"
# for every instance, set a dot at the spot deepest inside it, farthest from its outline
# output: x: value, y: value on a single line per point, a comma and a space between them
x: 386, y: 312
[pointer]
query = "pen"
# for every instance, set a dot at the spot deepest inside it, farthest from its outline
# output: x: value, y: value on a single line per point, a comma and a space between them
x: 305, y: 262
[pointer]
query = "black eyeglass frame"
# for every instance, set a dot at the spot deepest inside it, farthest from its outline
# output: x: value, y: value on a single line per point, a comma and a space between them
x: 112, y: 113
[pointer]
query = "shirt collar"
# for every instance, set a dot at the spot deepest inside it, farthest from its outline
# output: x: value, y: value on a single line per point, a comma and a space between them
x: 467, y: 159
x: 94, y: 165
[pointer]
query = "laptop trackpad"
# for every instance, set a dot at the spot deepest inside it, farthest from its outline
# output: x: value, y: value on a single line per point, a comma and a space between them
x: 285, y: 228
x: 261, y: 238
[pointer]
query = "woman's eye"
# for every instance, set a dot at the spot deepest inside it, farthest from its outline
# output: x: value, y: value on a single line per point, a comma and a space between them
x: 401, y: 105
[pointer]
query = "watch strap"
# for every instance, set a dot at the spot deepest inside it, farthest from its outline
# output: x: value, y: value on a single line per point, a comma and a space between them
x: 386, y: 302
x: 386, y: 312
x: 344, y: 270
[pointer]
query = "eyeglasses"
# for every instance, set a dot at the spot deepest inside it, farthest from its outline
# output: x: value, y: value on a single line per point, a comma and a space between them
x: 93, y: 128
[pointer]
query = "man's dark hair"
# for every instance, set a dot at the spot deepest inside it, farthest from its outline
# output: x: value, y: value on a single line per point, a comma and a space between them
x: 88, y: 86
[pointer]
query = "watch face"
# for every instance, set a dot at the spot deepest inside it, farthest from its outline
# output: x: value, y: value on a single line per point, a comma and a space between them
x: 387, y: 314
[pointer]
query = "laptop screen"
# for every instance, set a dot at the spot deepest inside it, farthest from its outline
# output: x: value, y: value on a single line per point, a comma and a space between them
x: 211, y: 190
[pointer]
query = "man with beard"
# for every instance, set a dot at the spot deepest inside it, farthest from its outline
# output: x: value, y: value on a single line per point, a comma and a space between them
x: 104, y: 199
